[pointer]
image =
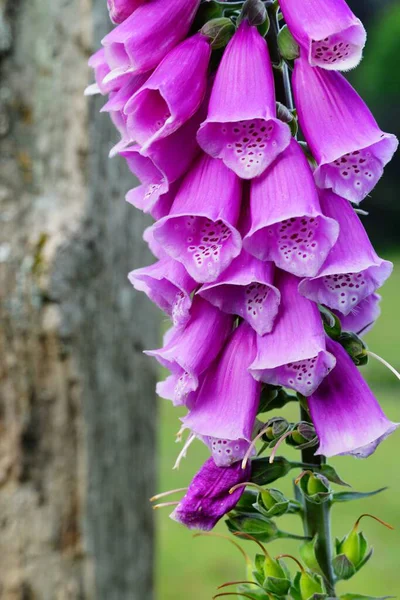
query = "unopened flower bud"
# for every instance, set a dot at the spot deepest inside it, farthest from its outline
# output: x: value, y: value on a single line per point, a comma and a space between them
x: 219, y: 31
x: 354, y: 347
x: 277, y: 577
x: 315, y: 487
x: 254, y: 11
x: 272, y: 503
x: 303, y: 436
x: 288, y: 47
x: 275, y: 428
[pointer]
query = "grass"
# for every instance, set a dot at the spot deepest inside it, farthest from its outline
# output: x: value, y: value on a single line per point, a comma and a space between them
x: 193, y: 568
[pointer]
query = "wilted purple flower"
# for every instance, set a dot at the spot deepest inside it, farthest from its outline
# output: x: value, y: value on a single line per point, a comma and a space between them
x: 172, y: 93
x: 208, y: 499
x: 361, y: 318
x: 168, y: 285
x: 189, y: 351
x: 121, y: 9
x: 345, y: 413
x: 246, y: 289
x: 294, y: 353
x: 343, y: 136
x: 286, y: 222
x: 244, y: 131
x: 227, y: 401
x: 329, y: 33
x: 200, y: 231
x: 352, y: 270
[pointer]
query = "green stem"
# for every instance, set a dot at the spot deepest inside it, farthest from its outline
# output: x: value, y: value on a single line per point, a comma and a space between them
x: 317, y: 522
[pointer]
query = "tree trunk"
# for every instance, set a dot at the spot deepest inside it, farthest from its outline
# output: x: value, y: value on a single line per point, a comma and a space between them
x: 77, y: 408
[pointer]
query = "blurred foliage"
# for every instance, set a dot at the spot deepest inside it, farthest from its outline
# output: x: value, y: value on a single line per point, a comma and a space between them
x: 377, y: 80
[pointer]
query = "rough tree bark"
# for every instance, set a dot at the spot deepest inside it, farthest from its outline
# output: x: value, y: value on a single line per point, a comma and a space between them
x: 77, y: 412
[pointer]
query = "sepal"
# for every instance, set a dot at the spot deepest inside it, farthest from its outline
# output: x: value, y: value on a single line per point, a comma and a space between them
x: 315, y: 487
x: 219, y: 31
x: 308, y: 586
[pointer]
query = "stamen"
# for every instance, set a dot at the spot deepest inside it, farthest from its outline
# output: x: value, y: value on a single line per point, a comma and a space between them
x: 164, y: 494
x: 183, y: 452
x: 165, y: 504
x: 246, y: 484
x: 384, y: 362
x: 281, y: 439
x: 293, y: 558
x: 253, y: 443
x: 375, y: 518
x: 225, y: 537
x: 253, y: 539
x: 235, y: 594
x: 238, y: 583
x: 179, y: 435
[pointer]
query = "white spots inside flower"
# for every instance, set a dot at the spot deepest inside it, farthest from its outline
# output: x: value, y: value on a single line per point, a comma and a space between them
x: 348, y: 289
x: 206, y: 240
x: 296, y: 238
x: 183, y: 386
x: 248, y: 141
x: 357, y: 168
x: 256, y: 295
x: 179, y: 310
x: 152, y: 189
x: 331, y: 50
x: 226, y: 452
x: 301, y: 374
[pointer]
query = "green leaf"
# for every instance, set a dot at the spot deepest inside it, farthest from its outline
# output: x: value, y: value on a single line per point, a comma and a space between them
x: 361, y: 597
x: 348, y: 496
x: 331, y: 474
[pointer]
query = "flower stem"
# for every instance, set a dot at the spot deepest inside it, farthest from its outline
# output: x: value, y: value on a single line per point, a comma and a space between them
x: 317, y: 522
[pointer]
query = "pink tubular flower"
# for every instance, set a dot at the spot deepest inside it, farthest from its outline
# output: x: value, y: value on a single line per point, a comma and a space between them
x: 244, y: 131
x: 226, y: 403
x: 208, y: 499
x: 162, y: 163
x: 246, y: 289
x: 172, y: 94
x: 115, y: 107
x: 121, y: 9
x: 189, y: 351
x: 345, y: 413
x: 168, y: 285
x: 200, y: 229
x: 144, y: 38
x: 103, y: 85
x: 350, y: 149
x: 286, y: 222
x: 352, y: 270
x: 331, y: 36
x: 294, y: 354
x: 362, y: 318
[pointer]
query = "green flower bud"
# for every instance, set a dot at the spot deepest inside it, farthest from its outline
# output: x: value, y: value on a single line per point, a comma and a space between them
x: 315, y: 487
x: 307, y: 553
x: 287, y: 45
x: 254, y: 11
x: 303, y: 436
x: 272, y: 503
x: 354, y: 347
x: 310, y: 585
x: 219, y: 31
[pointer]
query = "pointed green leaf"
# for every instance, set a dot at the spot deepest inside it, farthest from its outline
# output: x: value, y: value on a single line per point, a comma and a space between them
x: 331, y: 474
x: 347, y: 496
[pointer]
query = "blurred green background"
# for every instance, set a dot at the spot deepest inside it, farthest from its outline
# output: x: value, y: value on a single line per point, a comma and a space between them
x: 193, y: 568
